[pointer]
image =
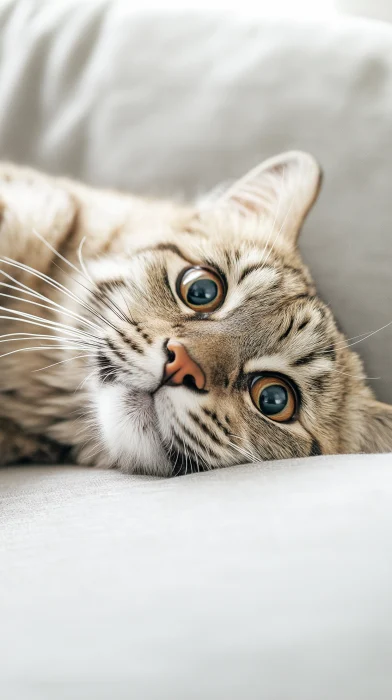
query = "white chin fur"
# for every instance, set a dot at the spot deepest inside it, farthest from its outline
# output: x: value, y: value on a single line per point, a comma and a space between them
x: 128, y: 429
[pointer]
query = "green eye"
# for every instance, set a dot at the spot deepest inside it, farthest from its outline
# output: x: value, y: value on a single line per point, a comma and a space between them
x: 201, y: 289
x: 274, y: 397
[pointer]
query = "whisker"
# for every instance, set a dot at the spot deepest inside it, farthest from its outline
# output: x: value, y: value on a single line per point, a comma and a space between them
x: 354, y: 376
x: 83, y: 272
x: 96, y: 449
x: 41, y: 347
x: 17, y: 337
x: 130, y: 319
x: 56, y: 252
x: 243, y: 452
x: 354, y: 337
x: 42, y: 297
x: 113, y: 306
x: 81, y: 261
x: 39, y: 323
x: 58, y: 286
x: 110, y: 304
x: 84, y: 381
x: 369, y: 335
x: 58, y: 324
x: 41, y: 275
x: 246, y: 452
x: 70, y: 359
x: 43, y: 306
x: 110, y: 374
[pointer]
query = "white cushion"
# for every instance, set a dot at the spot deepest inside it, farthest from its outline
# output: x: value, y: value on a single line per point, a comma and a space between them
x: 252, y: 583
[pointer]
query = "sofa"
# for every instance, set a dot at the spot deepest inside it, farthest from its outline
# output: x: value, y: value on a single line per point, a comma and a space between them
x: 268, y: 581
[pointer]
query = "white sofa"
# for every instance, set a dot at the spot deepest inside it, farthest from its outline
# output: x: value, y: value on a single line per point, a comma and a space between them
x: 261, y: 582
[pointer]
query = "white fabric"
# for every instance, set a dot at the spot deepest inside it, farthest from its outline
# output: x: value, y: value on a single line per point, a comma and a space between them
x: 177, y: 103
x: 380, y: 9
x: 254, y: 582
x: 269, y: 582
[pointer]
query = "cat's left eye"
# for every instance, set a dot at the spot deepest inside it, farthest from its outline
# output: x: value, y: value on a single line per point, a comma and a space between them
x: 274, y: 397
x: 201, y: 289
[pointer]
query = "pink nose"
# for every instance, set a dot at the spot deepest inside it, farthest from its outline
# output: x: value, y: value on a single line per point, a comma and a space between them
x: 181, y: 366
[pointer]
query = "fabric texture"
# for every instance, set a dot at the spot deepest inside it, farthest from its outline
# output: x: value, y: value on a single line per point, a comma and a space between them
x: 268, y: 581
x: 174, y: 104
x: 253, y: 582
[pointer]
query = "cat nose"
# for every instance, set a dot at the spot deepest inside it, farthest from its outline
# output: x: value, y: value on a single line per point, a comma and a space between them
x: 181, y: 369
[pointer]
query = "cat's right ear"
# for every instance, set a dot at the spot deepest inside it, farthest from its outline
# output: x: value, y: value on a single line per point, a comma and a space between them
x: 283, y: 189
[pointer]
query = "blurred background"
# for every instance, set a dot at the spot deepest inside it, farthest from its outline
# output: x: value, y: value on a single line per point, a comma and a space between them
x: 378, y: 9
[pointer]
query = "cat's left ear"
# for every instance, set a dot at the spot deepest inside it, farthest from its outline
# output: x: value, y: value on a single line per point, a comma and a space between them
x: 282, y: 188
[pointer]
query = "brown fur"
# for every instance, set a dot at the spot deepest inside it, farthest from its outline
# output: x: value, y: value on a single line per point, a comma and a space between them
x: 125, y: 299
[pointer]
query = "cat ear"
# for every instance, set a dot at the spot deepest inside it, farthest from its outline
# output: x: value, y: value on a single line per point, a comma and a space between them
x: 282, y: 189
x: 377, y: 433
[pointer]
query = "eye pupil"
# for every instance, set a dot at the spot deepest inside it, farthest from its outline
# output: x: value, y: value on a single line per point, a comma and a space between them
x: 273, y: 399
x: 201, y: 289
x: 202, y: 292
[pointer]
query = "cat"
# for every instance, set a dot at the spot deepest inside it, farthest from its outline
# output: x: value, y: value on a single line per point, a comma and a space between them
x: 163, y: 338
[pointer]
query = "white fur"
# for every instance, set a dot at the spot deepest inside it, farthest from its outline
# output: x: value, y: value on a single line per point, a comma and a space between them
x: 128, y: 426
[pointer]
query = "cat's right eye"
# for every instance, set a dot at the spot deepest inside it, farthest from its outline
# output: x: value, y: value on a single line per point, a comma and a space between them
x: 201, y: 288
x: 274, y: 397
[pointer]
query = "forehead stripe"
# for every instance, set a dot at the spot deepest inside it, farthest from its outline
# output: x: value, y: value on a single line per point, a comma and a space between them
x: 315, y: 355
x: 252, y: 268
x: 287, y: 331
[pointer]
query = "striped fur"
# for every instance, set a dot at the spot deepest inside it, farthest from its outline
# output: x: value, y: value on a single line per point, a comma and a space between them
x: 98, y: 313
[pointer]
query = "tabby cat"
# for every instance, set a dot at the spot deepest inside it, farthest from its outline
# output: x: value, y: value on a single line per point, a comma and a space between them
x: 166, y: 339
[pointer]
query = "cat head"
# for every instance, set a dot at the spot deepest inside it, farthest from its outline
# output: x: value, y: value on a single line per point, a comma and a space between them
x: 216, y: 348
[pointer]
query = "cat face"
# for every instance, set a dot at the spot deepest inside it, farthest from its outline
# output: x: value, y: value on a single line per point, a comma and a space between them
x: 216, y: 349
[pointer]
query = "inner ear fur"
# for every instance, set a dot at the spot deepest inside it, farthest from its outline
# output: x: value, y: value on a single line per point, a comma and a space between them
x: 282, y: 188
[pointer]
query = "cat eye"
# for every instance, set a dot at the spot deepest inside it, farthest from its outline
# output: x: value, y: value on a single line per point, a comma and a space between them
x: 274, y: 397
x: 201, y: 289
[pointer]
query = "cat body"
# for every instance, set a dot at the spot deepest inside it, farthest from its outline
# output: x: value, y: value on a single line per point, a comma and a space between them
x: 163, y: 338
